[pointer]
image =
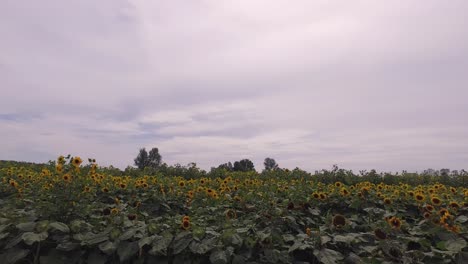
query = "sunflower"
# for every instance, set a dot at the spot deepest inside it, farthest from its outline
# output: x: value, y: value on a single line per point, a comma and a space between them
x: 315, y: 195
x: 114, y: 211
x: 308, y: 232
x: 87, y: 189
x: 122, y: 185
x: 13, y: 183
x: 105, y: 190
x: 230, y: 214
x: 61, y: 159
x: 185, y: 218
x: 344, y: 192
x: 185, y: 224
x: 419, y: 197
x: 427, y: 215
x: 338, y: 184
x: 435, y: 200
x: 59, y: 168
x: 454, y: 205
x: 429, y: 208
x: 387, y: 201
x: 442, y: 211
x: 106, y: 211
x: 323, y: 196
x: 67, y: 177
x: 395, y: 222
x: 76, y: 161
x: 136, y: 204
x: 181, y: 183
x: 380, y: 234
x: 131, y: 217
x: 338, y: 220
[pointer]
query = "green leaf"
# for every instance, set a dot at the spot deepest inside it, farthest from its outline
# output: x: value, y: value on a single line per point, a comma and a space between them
x: 202, y: 248
x: 127, y: 249
x: 26, y: 227
x: 218, y: 257
x: 128, y: 234
x: 108, y: 247
x: 181, y: 241
x: 455, y: 245
x: 461, y: 219
x: 13, y: 255
x: 59, y: 227
x: 328, y: 256
x: 30, y: 237
x: 160, y: 244
x: 145, y: 241
x: 3, y: 235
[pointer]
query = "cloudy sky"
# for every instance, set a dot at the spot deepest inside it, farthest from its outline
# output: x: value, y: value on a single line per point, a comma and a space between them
x: 311, y: 83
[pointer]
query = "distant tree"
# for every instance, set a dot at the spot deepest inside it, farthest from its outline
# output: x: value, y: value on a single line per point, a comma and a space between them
x: 270, y: 164
x: 142, y: 160
x: 244, y: 165
x: 154, y: 158
x: 227, y: 166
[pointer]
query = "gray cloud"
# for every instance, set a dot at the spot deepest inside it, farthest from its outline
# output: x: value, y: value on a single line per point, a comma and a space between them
x: 362, y: 84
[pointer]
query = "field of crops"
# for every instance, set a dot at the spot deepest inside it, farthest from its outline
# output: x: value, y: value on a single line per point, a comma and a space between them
x: 66, y: 214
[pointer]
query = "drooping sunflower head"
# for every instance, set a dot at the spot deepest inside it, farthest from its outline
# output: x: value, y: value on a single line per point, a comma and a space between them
x: 339, y: 220
x: 131, y: 217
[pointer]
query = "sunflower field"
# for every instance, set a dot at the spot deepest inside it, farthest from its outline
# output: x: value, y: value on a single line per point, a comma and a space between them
x: 67, y: 214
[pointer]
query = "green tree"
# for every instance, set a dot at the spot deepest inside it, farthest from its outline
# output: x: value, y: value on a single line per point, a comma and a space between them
x: 142, y: 160
x: 244, y: 165
x: 154, y: 158
x: 270, y: 164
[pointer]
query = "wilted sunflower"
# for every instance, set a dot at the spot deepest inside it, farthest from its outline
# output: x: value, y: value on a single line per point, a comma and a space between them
x: 76, y: 161
x: 338, y: 220
x: 380, y: 234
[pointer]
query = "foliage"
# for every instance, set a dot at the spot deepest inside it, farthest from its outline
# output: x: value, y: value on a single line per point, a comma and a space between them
x: 270, y: 164
x: 71, y: 212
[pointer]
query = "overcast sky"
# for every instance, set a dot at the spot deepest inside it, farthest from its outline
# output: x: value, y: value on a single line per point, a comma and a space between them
x: 362, y: 84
